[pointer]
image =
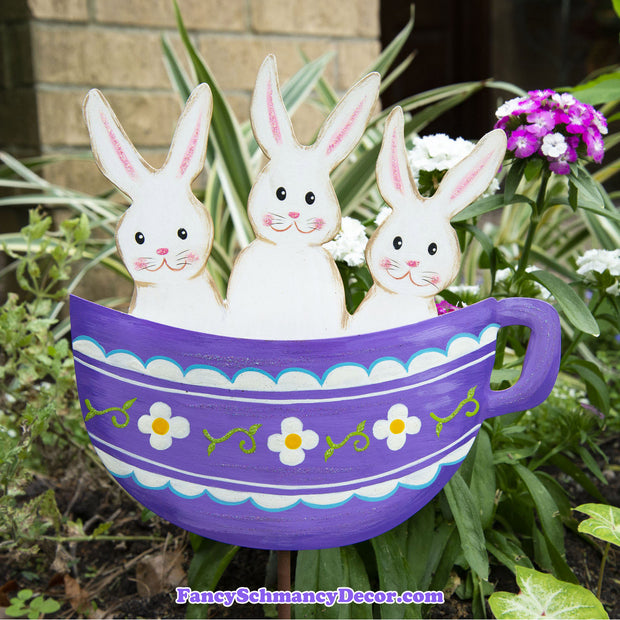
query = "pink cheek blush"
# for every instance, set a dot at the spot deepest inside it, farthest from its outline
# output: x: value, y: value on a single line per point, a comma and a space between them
x: 386, y: 263
x: 267, y: 220
x: 192, y: 258
x: 319, y: 223
x: 435, y: 279
x: 140, y: 264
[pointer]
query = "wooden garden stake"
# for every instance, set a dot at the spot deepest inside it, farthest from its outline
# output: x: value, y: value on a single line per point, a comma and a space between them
x: 284, y: 581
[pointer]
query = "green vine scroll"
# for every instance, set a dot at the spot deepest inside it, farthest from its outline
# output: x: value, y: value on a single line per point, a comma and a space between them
x: 92, y: 412
x: 470, y: 399
x: 359, y: 433
x: 250, y: 432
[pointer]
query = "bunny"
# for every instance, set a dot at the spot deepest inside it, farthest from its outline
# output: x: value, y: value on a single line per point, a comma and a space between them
x: 165, y: 236
x: 285, y: 285
x: 415, y: 254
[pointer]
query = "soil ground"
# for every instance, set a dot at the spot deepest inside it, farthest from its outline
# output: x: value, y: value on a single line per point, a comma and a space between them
x: 120, y: 578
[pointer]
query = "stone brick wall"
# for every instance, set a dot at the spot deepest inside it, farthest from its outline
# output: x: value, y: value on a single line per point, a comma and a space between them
x: 53, y: 51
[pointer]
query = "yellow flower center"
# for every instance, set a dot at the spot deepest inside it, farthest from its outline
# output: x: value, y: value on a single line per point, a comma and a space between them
x: 160, y: 426
x: 292, y: 441
x: 397, y: 426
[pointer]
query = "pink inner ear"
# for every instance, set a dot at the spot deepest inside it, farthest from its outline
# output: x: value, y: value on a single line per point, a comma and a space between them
x: 118, y: 149
x: 470, y: 177
x: 273, y: 119
x: 191, y: 148
x: 396, y: 178
x: 345, y: 130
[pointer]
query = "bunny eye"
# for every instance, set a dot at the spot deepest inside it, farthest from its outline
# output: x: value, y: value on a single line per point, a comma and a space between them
x: 397, y: 243
x: 182, y: 233
x: 139, y: 238
x: 432, y: 249
x: 310, y: 198
x: 280, y: 193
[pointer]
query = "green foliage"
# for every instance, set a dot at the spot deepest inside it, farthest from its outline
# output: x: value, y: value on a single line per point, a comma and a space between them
x: 39, y: 401
x: 501, y: 507
x: 544, y: 596
x: 604, y: 522
x: 31, y: 606
x: 209, y: 561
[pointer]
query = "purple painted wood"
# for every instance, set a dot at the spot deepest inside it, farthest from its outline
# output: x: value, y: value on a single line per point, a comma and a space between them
x: 313, y: 444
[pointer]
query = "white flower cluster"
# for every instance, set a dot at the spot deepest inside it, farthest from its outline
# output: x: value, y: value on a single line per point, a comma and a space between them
x: 350, y: 243
x: 440, y: 152
x: 465, y: 289
x: 598, y: 261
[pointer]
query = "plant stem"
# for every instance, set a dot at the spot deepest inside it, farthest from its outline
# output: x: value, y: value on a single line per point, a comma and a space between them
x: 599, y: 586
x: 537, y: 209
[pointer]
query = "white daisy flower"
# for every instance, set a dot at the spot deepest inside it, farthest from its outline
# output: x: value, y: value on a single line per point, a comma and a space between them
x: 396, y: 427
x: 292, y: 442
x: 162, y: 427
x: 350, y: 243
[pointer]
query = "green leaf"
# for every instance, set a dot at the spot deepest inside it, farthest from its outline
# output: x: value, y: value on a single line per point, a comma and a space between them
x: 393, y: 570
x: 320, y: 570
x: 467, y: 518
x: 513, y: 178
x: 356, y: 578
x: 209, y: 562
x: 569, y: 468
x: 602, y: 89
x: 575, y: 310
x: 544, y: 596
x: 545, y: 507
x: 598, y: 390
x: 483, y: 479
x: 604, y: 522
x: 387, y: 57
x: 573, y: 194
x: 506, y: 550
x: 533, y: 168
x: 225, y: 137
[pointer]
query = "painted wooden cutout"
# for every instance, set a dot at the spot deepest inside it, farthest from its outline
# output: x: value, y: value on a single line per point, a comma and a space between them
x: 298, y: 445
x: 268, y: 443
x: 165, y: 236
x: 415, y: 253
x: 285, y: 285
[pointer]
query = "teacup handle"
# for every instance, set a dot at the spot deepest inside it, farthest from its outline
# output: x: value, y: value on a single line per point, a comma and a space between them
x: 542, y: 357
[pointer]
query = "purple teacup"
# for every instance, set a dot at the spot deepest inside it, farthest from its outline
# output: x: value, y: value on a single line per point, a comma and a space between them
x: 298, y: 444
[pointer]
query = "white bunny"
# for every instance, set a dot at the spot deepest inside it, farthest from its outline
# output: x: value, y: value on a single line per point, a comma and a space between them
x: 285, y: 285
x: 165, y: 236
x: 415, y: 254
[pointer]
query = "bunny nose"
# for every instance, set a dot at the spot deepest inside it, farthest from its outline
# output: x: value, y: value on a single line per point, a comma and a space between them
x: 293, y: 214
x: 162, y: 251
x: 413, y: 263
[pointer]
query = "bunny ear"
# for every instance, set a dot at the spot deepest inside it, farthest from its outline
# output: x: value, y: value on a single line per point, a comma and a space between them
x: 114, y: 153
x: 270, y: 120
x: 467, y: 180
x: 346, y: 124
x: 393, y: 175
x: 187, y: 153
